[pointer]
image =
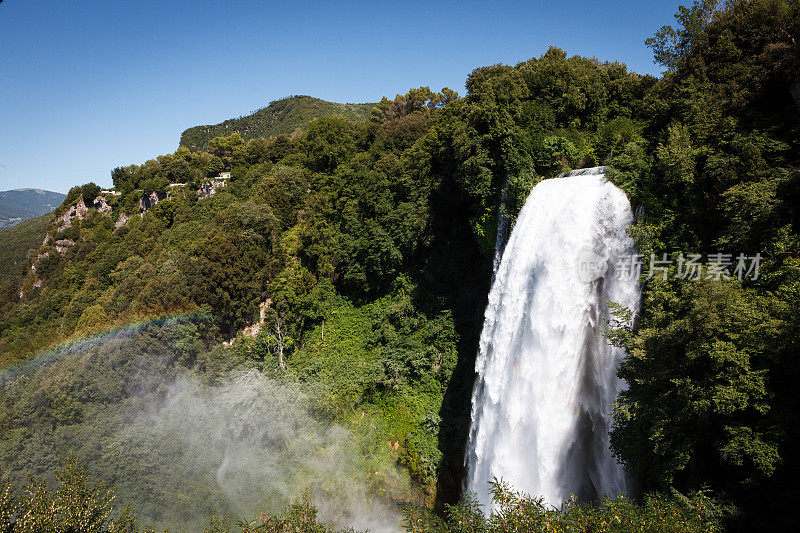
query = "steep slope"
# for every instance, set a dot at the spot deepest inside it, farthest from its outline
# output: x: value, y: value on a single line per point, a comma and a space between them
x: 279, y: 117
x: 21, y: 204
x: 15, y: 243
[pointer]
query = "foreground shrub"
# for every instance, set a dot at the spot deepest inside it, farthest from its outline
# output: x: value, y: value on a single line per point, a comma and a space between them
x: 300, y: 517
x: 518, y: 512
x: 73, y: 505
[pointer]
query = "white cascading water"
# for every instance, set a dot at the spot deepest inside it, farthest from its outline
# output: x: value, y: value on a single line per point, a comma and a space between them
x: 502, y: 231
x: 546, y: 376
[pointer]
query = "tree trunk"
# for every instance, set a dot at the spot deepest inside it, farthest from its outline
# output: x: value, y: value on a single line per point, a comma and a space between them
x: 280, y: 341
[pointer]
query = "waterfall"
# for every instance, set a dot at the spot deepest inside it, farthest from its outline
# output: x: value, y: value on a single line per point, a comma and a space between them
x: 502, y: 230
x: 546, y: 377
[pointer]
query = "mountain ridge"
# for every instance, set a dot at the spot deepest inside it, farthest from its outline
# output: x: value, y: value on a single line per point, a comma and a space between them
x: 279, y: 117
x: 17, y: 205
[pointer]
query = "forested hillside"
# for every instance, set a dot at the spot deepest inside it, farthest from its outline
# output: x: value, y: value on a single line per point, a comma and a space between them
x: 352, y: 262
x: 18, y: 241
x: 280, y: 117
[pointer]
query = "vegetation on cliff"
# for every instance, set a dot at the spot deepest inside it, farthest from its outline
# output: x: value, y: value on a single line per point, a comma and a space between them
x: 17, y: 242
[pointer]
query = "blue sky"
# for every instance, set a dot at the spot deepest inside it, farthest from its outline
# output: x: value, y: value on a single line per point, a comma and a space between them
x: 89, y: 85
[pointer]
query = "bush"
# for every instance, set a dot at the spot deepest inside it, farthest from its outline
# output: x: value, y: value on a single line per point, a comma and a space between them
x: 300, y: 517
x: 74, y: 505
x: 516, y: 511
x: 89, y: 192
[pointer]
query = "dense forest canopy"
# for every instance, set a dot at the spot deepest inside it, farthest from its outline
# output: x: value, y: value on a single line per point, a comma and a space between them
x: 367, y: 248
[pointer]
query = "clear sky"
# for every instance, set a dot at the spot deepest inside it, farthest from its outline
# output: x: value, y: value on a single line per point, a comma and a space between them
x: 89, y: 85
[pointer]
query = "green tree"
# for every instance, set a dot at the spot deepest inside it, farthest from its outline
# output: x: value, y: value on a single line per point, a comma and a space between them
x: 74, y: 505
x: 92, y: 319
x: 89, y: 192
x: 328, y: 142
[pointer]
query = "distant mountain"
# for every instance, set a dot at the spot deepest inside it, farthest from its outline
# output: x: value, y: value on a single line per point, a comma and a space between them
x: 279, y: 117
x: 22, y: 204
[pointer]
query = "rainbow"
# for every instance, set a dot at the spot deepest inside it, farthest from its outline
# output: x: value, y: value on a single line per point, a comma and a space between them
x: 76, y: 345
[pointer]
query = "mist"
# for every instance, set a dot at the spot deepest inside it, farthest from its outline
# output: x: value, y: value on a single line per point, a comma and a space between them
x: 179, y: 444
x: 257, y: 441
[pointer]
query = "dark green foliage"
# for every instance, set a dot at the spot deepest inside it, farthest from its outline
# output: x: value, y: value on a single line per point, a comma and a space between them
x: 709, y: 402
x: 327, y: 143
x: 89, y: 192
x: 707, y: 390
x: 183, y: 166
x: 514, y: 511
x: 517, y: 190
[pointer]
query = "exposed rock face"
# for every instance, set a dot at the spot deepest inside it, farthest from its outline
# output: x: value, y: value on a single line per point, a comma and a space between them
x: 39, y: 258
x: 150, y: 200
x: 101, y: 204
x: 63, y: 245
x: 121, y: 221
x: 210, y: 188
x: 78, y: 211
x: 255, y: 329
